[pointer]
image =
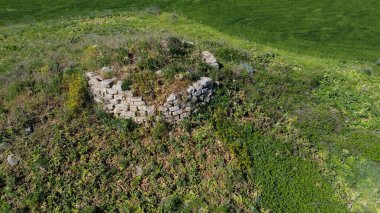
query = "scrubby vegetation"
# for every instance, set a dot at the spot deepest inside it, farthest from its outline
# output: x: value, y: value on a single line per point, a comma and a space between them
x: 282, y: 134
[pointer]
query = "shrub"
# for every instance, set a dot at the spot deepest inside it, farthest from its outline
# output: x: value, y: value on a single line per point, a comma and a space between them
x: 16, y: 88
x: 89, y: 57
x: 231, y: 54
x: 177, y: 48
x: 76, y: 91
x: 145, y: 84
x: 126, y: 85
x: 160, y: 130
x: 171, y: 204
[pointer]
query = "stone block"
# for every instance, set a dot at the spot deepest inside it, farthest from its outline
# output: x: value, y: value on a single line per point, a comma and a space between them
x: 185, y: 115
x: 98, y: 100
x: 140, y: 119
x: 172, y: 97
x: 142, y: 108
x: 110, y: 107
x: 129, y: 94
x: 133, y: 108
x: 138, y: 103
x: 111, y: 91
x: 128, y: 114
x: 175, y: 113
x: 98, y: 78
x: 118, y: 97
x: 174, y: 108
x: 90, y: 75
x: 108, y: 97
x: 204, y: 91
x: 190, y: 89
x: 115, y: 101
x: 135, y: 99
x: 108, y: 83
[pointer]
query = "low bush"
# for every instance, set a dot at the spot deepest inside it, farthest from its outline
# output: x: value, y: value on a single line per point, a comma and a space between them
x: 126, y: 85
x: 76, y: 87
x: 145, y: 84
x: 160, y: 130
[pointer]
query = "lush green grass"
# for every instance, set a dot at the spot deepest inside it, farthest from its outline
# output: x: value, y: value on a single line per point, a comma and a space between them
x: 338, y: 29
x: 301, y: 133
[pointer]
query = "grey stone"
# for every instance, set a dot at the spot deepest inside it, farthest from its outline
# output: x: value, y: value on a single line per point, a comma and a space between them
x: 188, y: 109
x: 150, y: 110
x: 112, y: 91
x: 129, y: 114
x: 175, y: 108
x: 129, y: 94
x: 118, y: 97
x: 140, y: 120
x: 210, y: 59
x: 110, y: 107
x: 139, y: 171
x: 98, y: 78
x: 177, y: 112
x: 108, y: 97
x: 205, y: 81
x: 13, y: 160
x: 190, y: 89
x: 108, y: 69
x: 108, y: 83
x: 204, y: 91
x: 162, y: 109
x: 142, y: 108
x: 133, y: 108
x: 172, y: 97
x: 198, y: 93
x: 98, y: 100
x: 93, y: 82
x: 185, y: 115
x: 115, y: 101
x: 90, y: 75
x: 138, y: 103
x: 4, y: 146
x: 29, y: 129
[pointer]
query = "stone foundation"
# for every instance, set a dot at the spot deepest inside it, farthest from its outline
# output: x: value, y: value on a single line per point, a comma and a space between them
x: 123, y: 104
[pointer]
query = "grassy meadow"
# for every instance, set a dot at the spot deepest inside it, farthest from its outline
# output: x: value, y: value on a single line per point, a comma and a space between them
x: 330, y: 29
x: 300, y: 133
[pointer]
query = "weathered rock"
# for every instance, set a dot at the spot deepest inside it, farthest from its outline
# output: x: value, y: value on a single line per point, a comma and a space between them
x: 158, y: 72
x: 172, y: 97
x: 108, y: 83
x: 210, y: 59
x: 108, y: 69
x: 13, y: 160
x: 4, y: 146
x: 29, y: 129
x: 139, y: 171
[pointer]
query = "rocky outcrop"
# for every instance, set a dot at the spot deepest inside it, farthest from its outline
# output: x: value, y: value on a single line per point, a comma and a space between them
x: 210, y: 59
x: 124, y: 104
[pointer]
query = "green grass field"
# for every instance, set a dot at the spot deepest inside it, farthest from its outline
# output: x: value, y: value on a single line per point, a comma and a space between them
x: 301, y: 134
x: 338, y: 29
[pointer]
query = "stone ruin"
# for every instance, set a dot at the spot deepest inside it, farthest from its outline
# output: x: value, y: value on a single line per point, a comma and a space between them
x: 180, y: 105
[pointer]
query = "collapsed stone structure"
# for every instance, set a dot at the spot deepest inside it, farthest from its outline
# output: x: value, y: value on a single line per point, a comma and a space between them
x: 124, y: 104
